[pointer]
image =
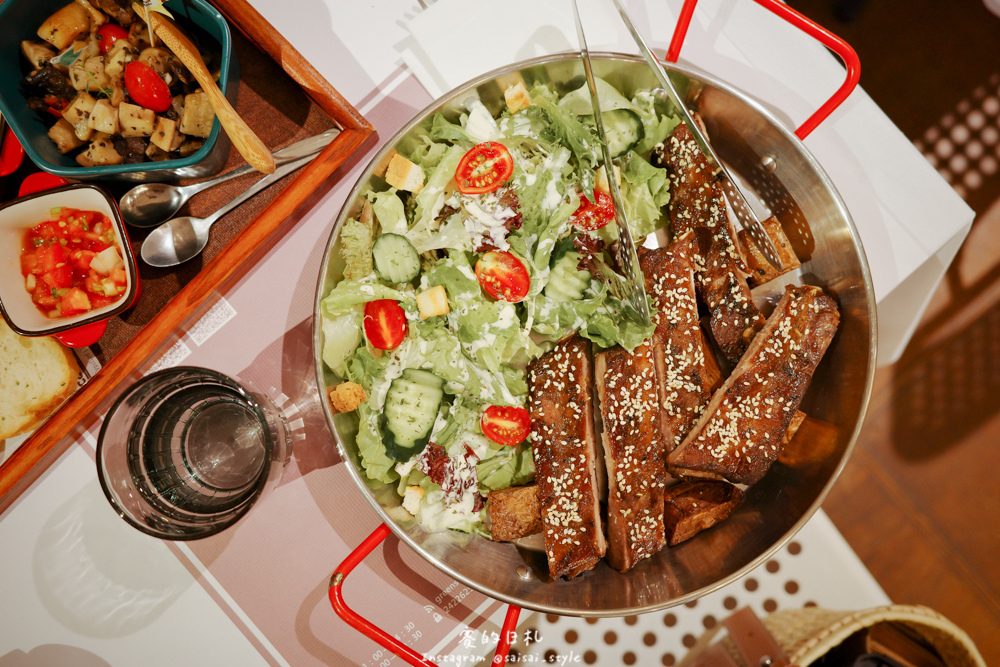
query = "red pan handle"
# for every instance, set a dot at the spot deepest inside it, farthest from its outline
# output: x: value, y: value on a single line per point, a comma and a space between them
x: 827, y: 38
x: 372, y: 631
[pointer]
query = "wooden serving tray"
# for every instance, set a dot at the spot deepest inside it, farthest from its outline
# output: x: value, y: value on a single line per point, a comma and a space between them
x: 49, y: 442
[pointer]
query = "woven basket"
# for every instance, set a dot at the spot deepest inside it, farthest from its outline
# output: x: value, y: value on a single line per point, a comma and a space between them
x: 807, y: 634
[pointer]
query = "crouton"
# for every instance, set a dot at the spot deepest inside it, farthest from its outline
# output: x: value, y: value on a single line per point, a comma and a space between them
x: 383, y: 164
x: 433, y: 302
x: 517, y: 97
x: 411, y: 499
x: 404, y: 175
x: 514, y: 513
x: 346, y: 396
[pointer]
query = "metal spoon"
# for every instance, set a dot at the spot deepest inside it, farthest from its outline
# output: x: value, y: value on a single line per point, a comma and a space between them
x: 178, y: 240
x: 150, y: 204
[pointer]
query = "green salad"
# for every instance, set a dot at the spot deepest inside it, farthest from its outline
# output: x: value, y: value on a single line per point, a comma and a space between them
x: 488, y: 243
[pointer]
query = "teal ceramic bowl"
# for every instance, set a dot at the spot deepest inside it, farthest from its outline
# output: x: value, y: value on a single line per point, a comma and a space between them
x: 21, y: 18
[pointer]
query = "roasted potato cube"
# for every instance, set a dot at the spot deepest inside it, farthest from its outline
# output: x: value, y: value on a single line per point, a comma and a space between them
x: 198, y: 115
x: 99, y: 153
x: 135, y: 121
x: 67, y: 24
x: 156, y: 154
x: 78, y: 114
x: 97, y: 18
x: 190, y: 146
x: 165, y: 135
x: 37, y: 53
x: 64, y: 137
x: 121, y: 54
x: 90, y: 75
x: 104, y: 117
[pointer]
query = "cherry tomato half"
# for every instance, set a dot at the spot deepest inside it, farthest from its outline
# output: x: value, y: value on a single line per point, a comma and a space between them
x: 590, y: 217
x: 109, y: 34
x: 503, y: 276
x: 506, y: 425
x: 146, y: 87
x: 484, y: 168
x: 385, y: 324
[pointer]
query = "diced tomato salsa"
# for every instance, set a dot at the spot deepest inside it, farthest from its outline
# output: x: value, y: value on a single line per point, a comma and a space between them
x: 72, y: 263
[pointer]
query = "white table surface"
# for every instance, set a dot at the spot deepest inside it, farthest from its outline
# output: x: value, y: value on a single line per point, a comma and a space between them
x: 910, y: 220
x: 92, y: 591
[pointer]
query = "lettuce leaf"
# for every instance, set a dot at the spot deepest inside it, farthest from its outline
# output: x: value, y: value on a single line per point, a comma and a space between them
x: 490, y: 331
x: 509, y: 466
x: 657, y: 126
x: 425, y: 233
x: 645, y: 191
x: 341, y: 337
x: 349, y: 293
x: 442, y: 130
x: 566, y: 128
x: 356, y: 239
x: 377, y: 465
x: 389, y: 211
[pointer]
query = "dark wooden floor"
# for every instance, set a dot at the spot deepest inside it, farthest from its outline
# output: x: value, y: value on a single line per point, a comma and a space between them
x: 920, y: 499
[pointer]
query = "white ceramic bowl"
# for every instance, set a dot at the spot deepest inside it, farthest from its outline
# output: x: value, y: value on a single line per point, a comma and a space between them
x: 20, y: 215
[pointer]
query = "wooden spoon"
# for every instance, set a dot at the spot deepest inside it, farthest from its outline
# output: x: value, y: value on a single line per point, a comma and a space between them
x: 246, y: 142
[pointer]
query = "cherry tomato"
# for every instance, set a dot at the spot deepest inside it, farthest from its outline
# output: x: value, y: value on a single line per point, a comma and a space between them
x: 146, y: 88
x: 484, y: 168
x: 506, y: 425
x: 109, y: 34
x: 589, y: 216
x: 503, y: 276
x: 385, y: 324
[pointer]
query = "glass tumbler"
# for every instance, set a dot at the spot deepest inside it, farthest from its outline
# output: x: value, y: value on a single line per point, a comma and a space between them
x: 185, y: 452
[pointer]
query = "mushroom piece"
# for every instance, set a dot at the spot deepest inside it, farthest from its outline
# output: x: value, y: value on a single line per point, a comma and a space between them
x: 37, y: 53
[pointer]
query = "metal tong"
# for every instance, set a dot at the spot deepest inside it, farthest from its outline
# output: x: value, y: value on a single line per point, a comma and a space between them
x: 628, y: 257
x: 734, y: 196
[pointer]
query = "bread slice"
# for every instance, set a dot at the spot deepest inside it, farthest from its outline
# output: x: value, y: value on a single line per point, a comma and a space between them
x: 36, y: 375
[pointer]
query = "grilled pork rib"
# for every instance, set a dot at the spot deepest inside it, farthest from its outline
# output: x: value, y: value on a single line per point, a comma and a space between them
x: 686, y: 370
x: 563, y: 442
x: 691, y: 507
x: 740, y: 433
x: 633, y: 453
x: 697, y: 203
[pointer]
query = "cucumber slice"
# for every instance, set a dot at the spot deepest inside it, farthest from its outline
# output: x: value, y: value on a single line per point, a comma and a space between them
x: 411, y: 408
x: 395, y: 259
x: 566, y: 282
x: 623, y: 130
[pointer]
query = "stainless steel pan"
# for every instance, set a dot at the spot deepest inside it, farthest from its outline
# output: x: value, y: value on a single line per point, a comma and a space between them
x: 769, y: 157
